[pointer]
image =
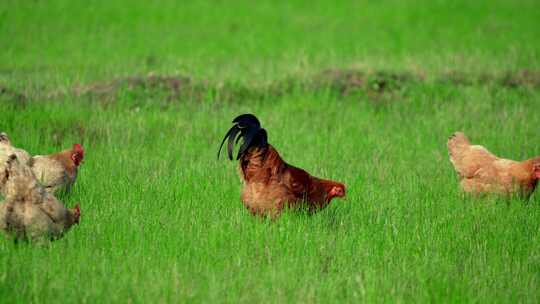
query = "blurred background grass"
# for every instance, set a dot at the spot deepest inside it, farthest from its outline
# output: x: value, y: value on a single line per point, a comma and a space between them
x: 75, y: 41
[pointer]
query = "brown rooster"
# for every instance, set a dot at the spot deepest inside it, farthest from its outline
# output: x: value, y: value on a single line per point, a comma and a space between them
x: 59, y: 170
x: 29, y: 212
x: 480, y: 171
x: 270, y: 184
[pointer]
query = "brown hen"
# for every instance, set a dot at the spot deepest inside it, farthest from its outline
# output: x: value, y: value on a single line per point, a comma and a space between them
x: 480, y: 171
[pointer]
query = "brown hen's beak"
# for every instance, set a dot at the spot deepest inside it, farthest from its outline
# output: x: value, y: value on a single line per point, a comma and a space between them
x: 537, y: 171
x: 77, y: 213
x: 337, y: 192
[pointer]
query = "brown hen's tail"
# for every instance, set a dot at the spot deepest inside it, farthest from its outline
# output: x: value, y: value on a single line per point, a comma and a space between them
x: 457, y: 144
x: 458, y: 149
x: 248, y: 127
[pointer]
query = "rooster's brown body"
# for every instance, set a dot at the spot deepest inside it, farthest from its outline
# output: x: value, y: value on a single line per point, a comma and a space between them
x: 270, y: 184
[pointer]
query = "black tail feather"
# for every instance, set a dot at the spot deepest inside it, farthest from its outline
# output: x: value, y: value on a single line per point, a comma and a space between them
x: 247, y: 120
x: 232, y: 131
x: 230, y: 144
x: 250, y: 130
x: 253, y: 138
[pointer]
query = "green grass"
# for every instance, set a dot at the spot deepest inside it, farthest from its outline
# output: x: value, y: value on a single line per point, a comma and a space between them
x: 162, y: 219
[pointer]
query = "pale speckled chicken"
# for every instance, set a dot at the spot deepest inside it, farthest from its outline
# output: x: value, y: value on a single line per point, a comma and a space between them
x: 480, y: 171
x: 58, y: 171
x: 5, y: 154
x: 5, y: 142
x: 29, y: 212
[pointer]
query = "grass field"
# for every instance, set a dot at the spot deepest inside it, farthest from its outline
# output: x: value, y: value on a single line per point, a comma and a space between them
x: 361, y: 92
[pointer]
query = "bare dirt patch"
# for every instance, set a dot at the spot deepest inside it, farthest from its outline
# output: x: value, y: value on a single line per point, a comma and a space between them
x: 173, y: 86
x: 519, y: 79
x: 525, y: 78
x: 346, y: 82
x: 12, y: 96
x: 376, y: 85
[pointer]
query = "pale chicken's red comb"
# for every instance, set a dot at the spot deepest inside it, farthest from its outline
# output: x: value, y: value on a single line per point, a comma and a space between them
x: 78, y: 149
x: 77, y: 213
